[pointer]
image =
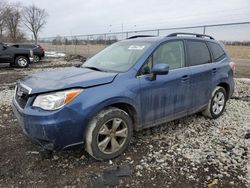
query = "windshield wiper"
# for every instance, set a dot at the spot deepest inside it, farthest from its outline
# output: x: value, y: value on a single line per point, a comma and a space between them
x: 93, y: 68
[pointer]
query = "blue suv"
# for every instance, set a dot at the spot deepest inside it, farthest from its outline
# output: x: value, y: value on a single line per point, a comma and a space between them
x: 131, y: 85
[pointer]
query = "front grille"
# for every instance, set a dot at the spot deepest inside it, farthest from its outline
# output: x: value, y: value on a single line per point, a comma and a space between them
x: 21, y: 95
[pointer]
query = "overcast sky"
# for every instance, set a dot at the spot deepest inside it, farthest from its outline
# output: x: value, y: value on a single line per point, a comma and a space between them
x: 72, y: 17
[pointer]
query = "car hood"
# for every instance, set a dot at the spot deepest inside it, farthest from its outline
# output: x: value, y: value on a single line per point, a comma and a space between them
x: 66, y: 78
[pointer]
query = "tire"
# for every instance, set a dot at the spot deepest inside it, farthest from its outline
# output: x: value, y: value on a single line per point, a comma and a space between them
x: 102, y: 141
x: 216, y: 104
x: 21, y: 61
x: 36, y: 59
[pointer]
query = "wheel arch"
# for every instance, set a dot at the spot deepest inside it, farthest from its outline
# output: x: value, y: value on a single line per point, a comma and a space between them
x: 226, y: 87
x: 25, y: 55
x: 130, y: 110
x: 124, y: 104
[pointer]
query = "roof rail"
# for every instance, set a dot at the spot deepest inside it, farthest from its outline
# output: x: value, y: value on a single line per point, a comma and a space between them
x: 194, y: 34
x: 138, y: 36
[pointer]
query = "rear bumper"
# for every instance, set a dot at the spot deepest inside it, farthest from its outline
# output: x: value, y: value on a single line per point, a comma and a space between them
x: 51, y: 130
x: 43, y: 54
x: 232, y: 88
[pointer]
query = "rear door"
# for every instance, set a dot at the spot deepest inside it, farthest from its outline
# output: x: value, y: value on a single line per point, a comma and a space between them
x: 199, y: 61
x: 167, y: 97
x: 220, y: 63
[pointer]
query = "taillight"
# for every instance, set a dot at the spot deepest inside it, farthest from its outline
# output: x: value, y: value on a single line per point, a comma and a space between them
x: 233, y: 66
x: 41, y: 48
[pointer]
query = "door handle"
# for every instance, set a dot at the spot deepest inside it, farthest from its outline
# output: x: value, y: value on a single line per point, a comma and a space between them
x: 214, y: 70
x: 185, y: 78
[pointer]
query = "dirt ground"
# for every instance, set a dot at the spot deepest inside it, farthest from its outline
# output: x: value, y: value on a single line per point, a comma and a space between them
x: 183, y: 153
x: 242, y: 68
x: 238, y: 52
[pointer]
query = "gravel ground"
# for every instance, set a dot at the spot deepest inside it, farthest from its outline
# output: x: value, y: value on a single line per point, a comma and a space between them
x: 191, y: 152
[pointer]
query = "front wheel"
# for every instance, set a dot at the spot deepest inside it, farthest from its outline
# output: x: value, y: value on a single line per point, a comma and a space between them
x: 21, y: 61
x: 108, y: 134
x: 216, y: 104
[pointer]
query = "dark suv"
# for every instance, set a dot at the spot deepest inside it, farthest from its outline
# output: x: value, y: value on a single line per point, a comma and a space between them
x: 15, y: 56
x: 131, y: 85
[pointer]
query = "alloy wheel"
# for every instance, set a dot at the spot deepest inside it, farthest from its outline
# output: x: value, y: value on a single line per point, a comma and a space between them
x: 218, y: 102
x: 112, y: 136
x: 22, y: 62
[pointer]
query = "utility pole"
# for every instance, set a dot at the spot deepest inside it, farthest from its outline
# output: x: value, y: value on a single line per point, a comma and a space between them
x: 122, y: 31
x: 204, y: 30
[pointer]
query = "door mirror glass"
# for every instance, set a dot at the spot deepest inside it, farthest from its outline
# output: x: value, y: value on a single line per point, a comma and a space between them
x: 160, y: 69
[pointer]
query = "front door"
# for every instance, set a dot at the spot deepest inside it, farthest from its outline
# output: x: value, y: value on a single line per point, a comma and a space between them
x: 4, y: 56
x: 167, y: 97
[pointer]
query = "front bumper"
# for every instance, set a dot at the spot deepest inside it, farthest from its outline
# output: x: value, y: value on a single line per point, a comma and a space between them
x: 31, y: 59
x: 55, y: 130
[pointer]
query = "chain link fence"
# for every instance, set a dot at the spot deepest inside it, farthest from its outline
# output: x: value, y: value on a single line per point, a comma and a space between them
x: 236, y: 37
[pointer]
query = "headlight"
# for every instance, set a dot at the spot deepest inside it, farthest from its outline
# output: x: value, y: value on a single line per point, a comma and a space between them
x: 56, y: 100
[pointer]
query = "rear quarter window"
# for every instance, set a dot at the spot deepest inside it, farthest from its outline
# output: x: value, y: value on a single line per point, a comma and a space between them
x: 27, y: 46
x: 217, y: 51
x: 198, y: 53
x: 31, y: 46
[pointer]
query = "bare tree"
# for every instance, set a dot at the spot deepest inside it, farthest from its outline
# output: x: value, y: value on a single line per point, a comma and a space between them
x: 34, y: 19
x: 2, y: 18
x: 13, y: 21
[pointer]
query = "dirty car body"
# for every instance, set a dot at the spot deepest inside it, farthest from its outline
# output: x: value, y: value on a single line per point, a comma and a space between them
x: 150, y: 89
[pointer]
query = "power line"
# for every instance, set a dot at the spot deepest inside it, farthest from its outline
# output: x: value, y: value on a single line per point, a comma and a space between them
x: 191, y: 15
x: 151, y: 30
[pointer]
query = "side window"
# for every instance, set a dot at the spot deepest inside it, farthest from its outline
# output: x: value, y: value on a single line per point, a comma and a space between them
x: 218, y: 52
x: 198, y: 53
x: 171, y: 53
x: 147, y: 67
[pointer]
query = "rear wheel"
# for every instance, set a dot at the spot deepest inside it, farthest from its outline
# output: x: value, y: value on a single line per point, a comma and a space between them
x: 108, y: 134
x: 216, y: 104
x: 21, y: 61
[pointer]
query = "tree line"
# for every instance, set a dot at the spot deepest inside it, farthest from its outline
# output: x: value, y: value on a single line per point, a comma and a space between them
x: 16, y: 20
x: 58, y: 40
x: 237, y: 43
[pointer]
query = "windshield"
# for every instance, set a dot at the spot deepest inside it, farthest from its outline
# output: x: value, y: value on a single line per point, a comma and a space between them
x: 119, y: 57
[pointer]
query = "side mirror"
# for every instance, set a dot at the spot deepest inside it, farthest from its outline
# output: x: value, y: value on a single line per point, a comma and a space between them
x: 158, y: 69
